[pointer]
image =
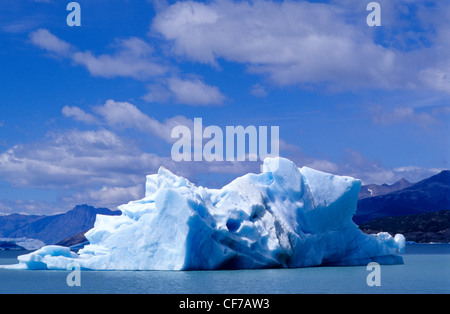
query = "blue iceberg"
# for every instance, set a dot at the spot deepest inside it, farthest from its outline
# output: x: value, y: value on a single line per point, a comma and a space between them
x: 283, y: 217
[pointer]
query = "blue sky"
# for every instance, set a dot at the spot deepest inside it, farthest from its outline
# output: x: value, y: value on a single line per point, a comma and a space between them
x: 86, y: 112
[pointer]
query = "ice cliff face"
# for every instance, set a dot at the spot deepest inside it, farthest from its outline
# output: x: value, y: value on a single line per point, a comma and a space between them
x: 282, y: 217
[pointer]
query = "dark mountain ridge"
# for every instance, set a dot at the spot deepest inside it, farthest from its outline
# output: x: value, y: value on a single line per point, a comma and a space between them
x: 52, y: 229
x: 428, y: 195
x: 10, y: 223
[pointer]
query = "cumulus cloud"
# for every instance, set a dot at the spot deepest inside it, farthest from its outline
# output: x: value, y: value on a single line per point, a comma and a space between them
x: 124, y: 115
x: 302, y: 43
x: 128, y: 116
x: 326, y: 45
x: 134, y: 58
x: 98, y: 167
x: 437, y: 76
x: 78, y: 114
x: 46, y: 40
x: 107, y: 196
x: 75, y: 158
x: 191, y: 92
x: 195, y: 92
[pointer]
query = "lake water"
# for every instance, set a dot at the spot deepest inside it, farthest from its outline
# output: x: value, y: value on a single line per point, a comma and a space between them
x: 426, y: 270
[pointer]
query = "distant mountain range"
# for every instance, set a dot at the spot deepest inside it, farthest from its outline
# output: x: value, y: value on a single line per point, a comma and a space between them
x: 420, y: 211
x: 51, y: 229
x: 376, y: 190
x: 429, y: 195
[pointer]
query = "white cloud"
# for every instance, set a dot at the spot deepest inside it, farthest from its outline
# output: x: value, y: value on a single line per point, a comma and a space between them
x: 438, y: 77
x: 303, y: 43
x: 293, y: 42
x: 107, y: 196
x: 78, y: 114
x: 158, y: 92
x: 77, y: 158
x: 133, y: 57
x: 415, y: 173
x: 126, y: 115
x: 191, y: 92
x: 30, y: 207
x: 98, y: 166
x: 5, y: 209
x: 46, y: 40
x: 195, y: 92
x: 76, y: 164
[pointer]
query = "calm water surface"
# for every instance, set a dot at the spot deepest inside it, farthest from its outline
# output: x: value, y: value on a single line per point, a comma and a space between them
x: 426, y: 270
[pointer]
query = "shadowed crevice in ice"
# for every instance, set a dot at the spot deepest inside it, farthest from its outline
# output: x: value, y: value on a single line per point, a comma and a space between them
x: 282, y: 217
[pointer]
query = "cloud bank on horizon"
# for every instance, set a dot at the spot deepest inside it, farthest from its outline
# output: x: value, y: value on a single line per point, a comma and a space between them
x: 88, y: 111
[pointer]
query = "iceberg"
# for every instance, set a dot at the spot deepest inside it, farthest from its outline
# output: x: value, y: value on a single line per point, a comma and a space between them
x: 283, y: 217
